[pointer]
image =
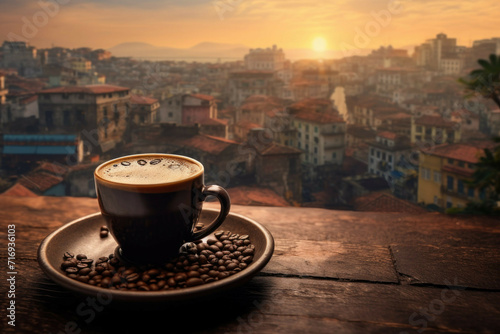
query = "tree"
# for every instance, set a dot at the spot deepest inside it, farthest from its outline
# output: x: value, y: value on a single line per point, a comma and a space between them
x: 487, y: 176
x: 485, y: 80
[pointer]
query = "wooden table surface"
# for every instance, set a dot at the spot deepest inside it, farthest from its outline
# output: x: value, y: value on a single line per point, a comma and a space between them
x: 332, y: 272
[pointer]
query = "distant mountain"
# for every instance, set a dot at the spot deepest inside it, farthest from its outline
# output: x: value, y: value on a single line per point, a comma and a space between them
x: 208, y: 51
x: 202, y: 51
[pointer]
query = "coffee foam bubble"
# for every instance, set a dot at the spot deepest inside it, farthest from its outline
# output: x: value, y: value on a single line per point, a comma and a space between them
x: 148, y: 170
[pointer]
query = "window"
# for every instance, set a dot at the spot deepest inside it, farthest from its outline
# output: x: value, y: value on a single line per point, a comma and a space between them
x: 418, y: 128
x: 451, y: 161
x: 378, y: 154
x: 316, y: 140
x: 449, y: 182
x: 372, y: 151
x: 437, y: 177
x: 105, y: 111
x: 334, y: 155
x: 461, y: 164
x: 383, y: 156
x: 65, y: 96
x: 426, y: 173
x: 315, y: 150
x: 389, y: 157
x: 460, y: 187
x: 470, y: 192
x: 170, y: 114
x: 316, y: 129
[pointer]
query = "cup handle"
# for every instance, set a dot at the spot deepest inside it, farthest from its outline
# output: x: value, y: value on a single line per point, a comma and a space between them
x: 225, y: 205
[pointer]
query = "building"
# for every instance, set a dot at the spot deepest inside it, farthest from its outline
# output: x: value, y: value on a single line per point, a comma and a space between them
x: 143, y: 109
x: 431, y: 53
x: 99, y: 111
x: 370, y: 111
x: 197, y: 108
x: 20, y: 56
x: 171, y: 109
x: 434, y: 130
x: 243, y: 84
x: 385, y: 152
x: 276, y: 166
x: 3, y: 98
x: 445, y: 171
x: 80, y: 64
x: 392, y: 78
x: 260, y: 111
x: 320, y: 132
x: 21, y: 151
x: 269, y: 59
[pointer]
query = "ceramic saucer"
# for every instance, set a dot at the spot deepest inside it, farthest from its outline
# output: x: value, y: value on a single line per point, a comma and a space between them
x: 81, y: 236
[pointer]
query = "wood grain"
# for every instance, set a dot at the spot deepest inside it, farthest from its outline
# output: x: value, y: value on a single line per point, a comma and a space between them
x: 332, y: 272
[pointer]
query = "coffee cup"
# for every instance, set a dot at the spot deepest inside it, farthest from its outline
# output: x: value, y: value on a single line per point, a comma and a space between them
x: 152, y: 203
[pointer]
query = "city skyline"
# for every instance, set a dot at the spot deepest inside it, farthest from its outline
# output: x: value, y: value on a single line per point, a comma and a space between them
x: 324, y: 26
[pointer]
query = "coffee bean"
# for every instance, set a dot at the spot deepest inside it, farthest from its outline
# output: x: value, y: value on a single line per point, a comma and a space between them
x: 198, y: 263
x: 142, y: 162
x: 85, y: 271
x: 247, y: 252
x: 155, y: 161
x: 125, y: 163
x: 194, y: 281
x: 68, y: 255
x: 214, y: 248
x: 67, y: 264
x: 71, y: 270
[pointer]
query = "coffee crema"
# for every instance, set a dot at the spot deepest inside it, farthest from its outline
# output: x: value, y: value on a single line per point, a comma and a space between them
x: 148, y: 170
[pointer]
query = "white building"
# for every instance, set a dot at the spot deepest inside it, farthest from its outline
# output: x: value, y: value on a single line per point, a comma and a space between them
x: 321, y: 135
x: 385, y: 151
x: 269, y: 59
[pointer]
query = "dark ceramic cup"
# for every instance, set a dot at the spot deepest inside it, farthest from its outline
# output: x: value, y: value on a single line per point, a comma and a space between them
x: 152, y: 202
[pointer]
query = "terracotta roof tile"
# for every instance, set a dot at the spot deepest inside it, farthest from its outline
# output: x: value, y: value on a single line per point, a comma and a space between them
x: 429, y: 120
x: 88, y: 89
x: 139, y: 99
x: 467, y: 152
x: 203, y: 97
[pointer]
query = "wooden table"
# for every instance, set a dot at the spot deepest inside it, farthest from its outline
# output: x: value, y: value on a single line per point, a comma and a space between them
x: 332, y: 272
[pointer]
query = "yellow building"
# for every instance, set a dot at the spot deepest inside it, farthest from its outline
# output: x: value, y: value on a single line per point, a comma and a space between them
x: 444, y: 172
x: 81, y: 65
x: 434, y: 129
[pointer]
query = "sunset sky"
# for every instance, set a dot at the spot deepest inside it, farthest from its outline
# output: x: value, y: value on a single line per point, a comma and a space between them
x: 253, y: 23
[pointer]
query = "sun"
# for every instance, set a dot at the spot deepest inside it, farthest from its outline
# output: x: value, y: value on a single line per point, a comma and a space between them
x: 319, y: 44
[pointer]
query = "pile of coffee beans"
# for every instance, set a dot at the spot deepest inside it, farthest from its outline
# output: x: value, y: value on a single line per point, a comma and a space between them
x: 198, y: 263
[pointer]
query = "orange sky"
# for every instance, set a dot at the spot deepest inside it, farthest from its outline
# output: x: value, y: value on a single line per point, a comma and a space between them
x: 253, y: 23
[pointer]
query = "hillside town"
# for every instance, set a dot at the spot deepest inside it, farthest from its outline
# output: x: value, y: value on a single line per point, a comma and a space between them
x: 390, y: 131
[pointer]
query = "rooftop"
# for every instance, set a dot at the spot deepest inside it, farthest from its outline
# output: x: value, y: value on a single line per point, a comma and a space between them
x: 467, y: 152
x: 88, y: 89
x: 437, y: 121
x: 139, y: 99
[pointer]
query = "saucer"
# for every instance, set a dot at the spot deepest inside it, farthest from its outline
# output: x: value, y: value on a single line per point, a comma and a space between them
x: 81, y: 236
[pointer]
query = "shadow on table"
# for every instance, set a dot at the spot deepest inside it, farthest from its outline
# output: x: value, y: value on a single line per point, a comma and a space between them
x: 232, y: 310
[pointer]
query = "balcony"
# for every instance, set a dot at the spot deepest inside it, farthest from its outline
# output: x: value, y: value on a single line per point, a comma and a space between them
x: 332, y: 271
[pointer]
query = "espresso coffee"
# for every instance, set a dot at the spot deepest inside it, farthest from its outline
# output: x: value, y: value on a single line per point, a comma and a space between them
x: 148, y: 170
x: 151, y: 203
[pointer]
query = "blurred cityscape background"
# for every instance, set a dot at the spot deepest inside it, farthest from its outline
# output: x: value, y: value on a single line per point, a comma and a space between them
x: 384, y: 129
